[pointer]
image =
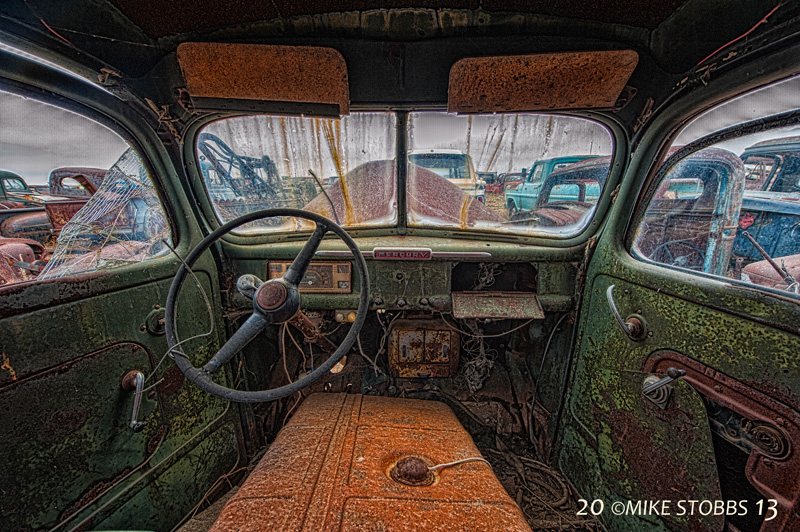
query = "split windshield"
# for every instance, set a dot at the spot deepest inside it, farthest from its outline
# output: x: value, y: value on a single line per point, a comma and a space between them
x: 346, y: 169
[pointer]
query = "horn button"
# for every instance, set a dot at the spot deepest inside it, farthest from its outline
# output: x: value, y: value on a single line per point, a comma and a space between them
x: 271, y: 295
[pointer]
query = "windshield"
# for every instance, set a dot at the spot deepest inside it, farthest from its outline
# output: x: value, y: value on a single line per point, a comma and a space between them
x: 346, y: 169
x: 447, y: 165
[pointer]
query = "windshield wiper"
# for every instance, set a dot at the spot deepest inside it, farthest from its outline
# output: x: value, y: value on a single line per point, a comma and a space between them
x: 319, y: 184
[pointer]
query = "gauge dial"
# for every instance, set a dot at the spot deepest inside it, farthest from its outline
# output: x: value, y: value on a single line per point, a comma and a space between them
x: 321, y: 277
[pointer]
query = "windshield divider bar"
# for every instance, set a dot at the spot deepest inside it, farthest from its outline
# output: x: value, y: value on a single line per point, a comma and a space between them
x: 402, y: 170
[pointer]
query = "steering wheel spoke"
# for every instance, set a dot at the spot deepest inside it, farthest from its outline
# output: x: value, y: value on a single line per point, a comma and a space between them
x: 297, y: 270
x: 246, y: 333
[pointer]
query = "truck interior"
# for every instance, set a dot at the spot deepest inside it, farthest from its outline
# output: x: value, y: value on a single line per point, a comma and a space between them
x: 242, y: 306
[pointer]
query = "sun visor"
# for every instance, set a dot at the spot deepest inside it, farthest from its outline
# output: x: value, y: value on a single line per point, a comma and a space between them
x: 540, y: 82
x: 306, y: 80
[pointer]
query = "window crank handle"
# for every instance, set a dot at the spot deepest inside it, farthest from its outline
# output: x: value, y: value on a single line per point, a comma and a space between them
x: 133, y: 381
x: 673, y: 374
x: 633, y: 326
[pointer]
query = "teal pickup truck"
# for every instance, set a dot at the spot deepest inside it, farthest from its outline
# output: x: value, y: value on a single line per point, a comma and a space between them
x: 524, y: 197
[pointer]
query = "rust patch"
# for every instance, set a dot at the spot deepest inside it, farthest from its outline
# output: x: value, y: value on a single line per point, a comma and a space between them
x: 6, y: 365
x: 412, y: 471
x: 60, y: 212
x: 328, y: 469
x: 307, y: 74
x: 152, y: 443
x: 65, y: 422
x: 271, y: 295
x: 507, y: 305
x: 423, y: 348
x: 774, y: 477
x: 570, y: 80
x: 171, y: 381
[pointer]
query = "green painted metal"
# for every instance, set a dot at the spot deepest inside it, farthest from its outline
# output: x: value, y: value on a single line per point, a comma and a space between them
x: 76, y: 462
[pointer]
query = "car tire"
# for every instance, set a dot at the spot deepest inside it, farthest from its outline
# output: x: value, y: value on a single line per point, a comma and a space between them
x: 512, y: 210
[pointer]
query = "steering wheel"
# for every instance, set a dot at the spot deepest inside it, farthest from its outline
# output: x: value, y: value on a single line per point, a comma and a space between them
x: 672, y: 261
x: 274, y: 301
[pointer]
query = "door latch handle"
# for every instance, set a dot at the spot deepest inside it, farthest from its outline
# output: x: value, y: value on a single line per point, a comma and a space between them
x: 673, y: 374
x: 633, y: 325
x: 133, y: 381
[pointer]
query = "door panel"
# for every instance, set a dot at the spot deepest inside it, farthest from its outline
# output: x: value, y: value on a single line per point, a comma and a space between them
x: 71, y: 331
x: 70, y: 453
x: 740, y: 387
x: 619, y: 444
x: 683, y: 264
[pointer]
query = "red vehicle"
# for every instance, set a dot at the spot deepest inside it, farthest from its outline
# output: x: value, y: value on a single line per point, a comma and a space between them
x: 503, y: 181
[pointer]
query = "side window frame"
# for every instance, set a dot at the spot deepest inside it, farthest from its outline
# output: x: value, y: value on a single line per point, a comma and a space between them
x: 36, y: 81
x: 659, y: 171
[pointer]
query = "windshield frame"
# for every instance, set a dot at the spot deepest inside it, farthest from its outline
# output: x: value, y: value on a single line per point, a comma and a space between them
x: 619, y: 143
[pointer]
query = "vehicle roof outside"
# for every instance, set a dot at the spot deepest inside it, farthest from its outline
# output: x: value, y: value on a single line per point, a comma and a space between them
x: 6, y: 176
x: 776, y: 145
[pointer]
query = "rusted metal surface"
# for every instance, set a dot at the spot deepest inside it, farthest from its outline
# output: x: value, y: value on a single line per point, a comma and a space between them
x: 89, y: 178
x: 371, y: 196
x: 61, y: 211
x: 423, y: 348
x: 571, y: 80
x: 508, y: 305
x: 412, y: 471
x: 773, y: 466
x: 329, y: 470
x: 307, y: 74
x: 19, y: 260
x: 565, y: 214
x: 34, y: 225
x: 762, y: 273
x: 271, y: 295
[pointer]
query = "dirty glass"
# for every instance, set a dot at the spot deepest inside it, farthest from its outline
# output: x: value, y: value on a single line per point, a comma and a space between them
x: 346, y: 170
x: 266, y: 162
x: 448, y: 153
x: 46, y: 235
x: 122, y: 223
x: 733, y: 209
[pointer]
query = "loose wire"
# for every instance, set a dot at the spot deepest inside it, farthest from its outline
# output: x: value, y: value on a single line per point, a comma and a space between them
x: 457, y: 462
x: 539, y: 375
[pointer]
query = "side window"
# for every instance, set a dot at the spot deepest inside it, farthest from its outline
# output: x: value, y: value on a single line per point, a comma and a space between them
x: 93, y: 205
x: 12, y: 184
x: 536, y: 174
x: 758, y: 170
x: 731, y: 209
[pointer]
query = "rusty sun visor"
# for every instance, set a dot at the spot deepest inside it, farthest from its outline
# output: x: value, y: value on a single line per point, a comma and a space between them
x: 307, y: 80
x: 540, y: 82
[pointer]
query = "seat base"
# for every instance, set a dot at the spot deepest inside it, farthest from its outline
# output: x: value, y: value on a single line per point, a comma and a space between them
x: 328, y: 469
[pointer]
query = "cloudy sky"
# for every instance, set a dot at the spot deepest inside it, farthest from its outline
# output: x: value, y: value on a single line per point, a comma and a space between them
x: 36, y: 138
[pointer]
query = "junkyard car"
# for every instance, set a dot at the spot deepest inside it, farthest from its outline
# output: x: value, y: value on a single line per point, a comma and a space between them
x: 525, y: 196
x: 227, y: 339
x: 567, y: 194
x: 28, y: 213
x: 509, y: 180
x: 453, y: 165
